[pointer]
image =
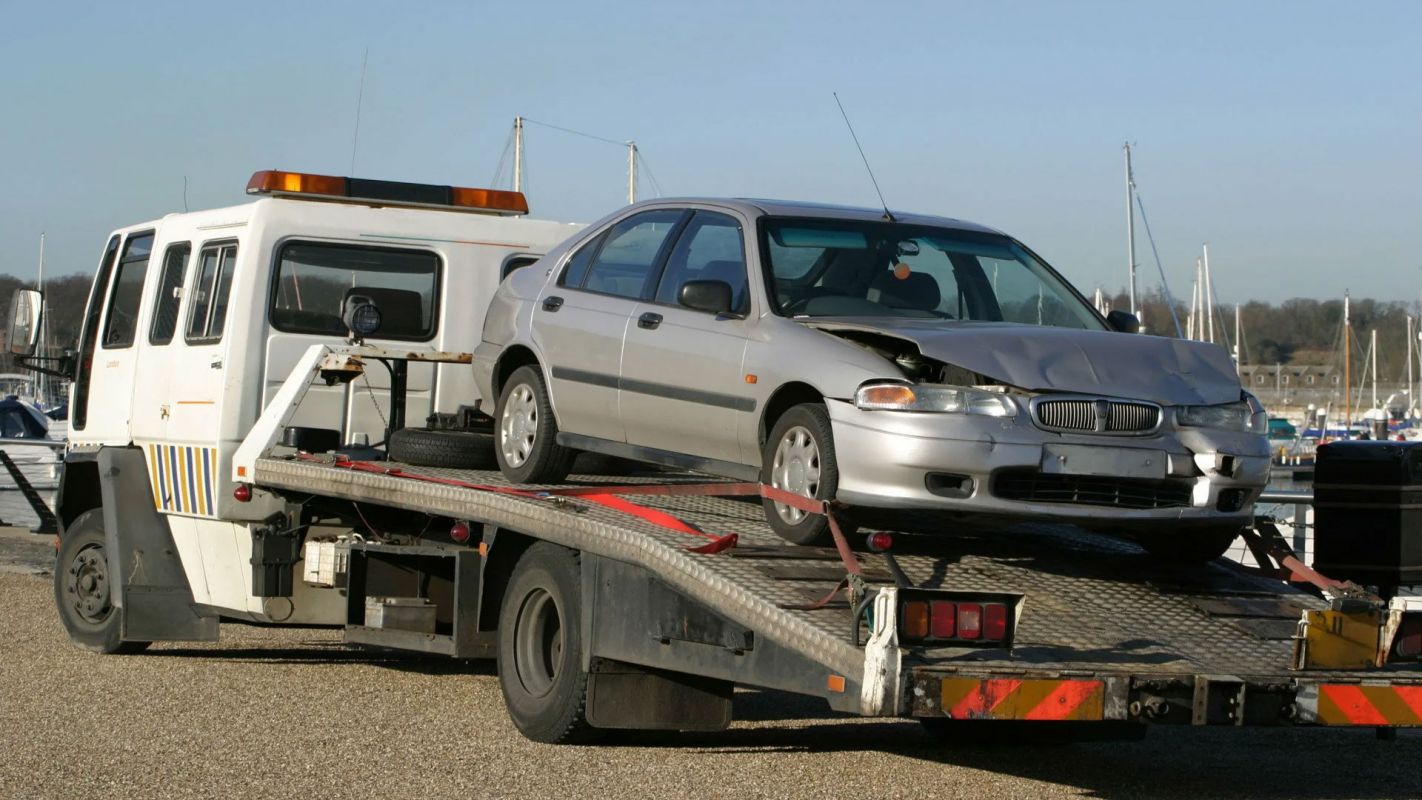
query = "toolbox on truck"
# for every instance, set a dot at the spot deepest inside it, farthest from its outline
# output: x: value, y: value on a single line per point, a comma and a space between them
x: 1368, y: 512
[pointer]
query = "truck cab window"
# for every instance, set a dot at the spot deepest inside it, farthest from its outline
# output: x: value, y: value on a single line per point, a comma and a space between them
x: 210, y: 291
x: 170, y: 293
x: 314, y: 279
x: 127, y: 293
x: 85, y: 368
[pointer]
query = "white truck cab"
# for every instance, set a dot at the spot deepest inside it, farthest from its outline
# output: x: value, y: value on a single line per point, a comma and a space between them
x: 194, y: 321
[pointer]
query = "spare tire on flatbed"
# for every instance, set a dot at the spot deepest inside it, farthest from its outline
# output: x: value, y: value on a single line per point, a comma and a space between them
x: 453, y: 449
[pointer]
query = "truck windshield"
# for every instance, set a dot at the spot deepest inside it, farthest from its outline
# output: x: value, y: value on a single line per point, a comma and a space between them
x: 850, y: 268
x: 314, y: 279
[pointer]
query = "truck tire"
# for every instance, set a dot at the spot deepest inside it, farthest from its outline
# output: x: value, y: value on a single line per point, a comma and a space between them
x: 452, y: 449
x: 1188, y: 546
x: 540, y: 656
x: 526, y: 433
x: 82, y: 587
x: 798, y: 456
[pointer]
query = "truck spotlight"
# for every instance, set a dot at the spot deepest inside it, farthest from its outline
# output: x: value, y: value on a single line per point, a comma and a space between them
x: 361, y: 316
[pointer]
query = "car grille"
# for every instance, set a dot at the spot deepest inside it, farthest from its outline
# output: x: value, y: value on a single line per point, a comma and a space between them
x: 1087, y: 415
x: 1087, y: 490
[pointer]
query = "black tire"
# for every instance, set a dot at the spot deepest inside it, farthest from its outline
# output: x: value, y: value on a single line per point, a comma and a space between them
x: 452, y: 449
x: 1186, y: 545
x: 796, y: 470
x: 82, y: 584
x: 541, y: 649
x: 524, y: 428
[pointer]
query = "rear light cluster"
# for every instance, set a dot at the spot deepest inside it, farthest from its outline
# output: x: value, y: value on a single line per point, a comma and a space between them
x: 949, y: 621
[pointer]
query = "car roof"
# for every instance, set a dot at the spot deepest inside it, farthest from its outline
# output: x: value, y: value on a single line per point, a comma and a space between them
x: 795, y: 208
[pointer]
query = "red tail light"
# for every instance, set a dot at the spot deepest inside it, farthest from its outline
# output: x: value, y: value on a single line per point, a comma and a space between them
x: 970, y: 620
x: 994, y: 621
x: 943, y: 618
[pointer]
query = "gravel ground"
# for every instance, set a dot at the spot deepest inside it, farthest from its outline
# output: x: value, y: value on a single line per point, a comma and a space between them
x: 283, y: 713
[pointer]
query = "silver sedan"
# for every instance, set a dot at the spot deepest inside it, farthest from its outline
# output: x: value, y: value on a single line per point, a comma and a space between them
x: 890, y: 361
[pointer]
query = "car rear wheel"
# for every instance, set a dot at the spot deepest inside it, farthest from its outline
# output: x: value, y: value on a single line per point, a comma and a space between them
x: 526, y: 436
x: 1188, y: 546
x: 798, y: 457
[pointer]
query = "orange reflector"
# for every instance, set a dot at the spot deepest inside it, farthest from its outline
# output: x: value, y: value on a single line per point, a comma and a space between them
x: 241, y: 472
x: 274, y: 180
x: 835, y: 683
x: 886, y: 395
x: 491, y: 199
x: 915, y: 620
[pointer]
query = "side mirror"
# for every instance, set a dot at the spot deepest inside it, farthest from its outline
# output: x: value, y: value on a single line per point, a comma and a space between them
x: 712, y: 296
x: 1123, y: 322
x: 24, y: 330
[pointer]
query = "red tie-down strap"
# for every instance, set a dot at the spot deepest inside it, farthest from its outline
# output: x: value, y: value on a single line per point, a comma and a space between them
x: 609, y: 497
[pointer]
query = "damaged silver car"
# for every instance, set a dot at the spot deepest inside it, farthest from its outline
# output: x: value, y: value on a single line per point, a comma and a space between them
x: 890, y: 361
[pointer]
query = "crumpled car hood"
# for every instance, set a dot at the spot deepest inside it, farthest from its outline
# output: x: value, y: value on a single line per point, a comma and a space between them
x: 1041, y: 359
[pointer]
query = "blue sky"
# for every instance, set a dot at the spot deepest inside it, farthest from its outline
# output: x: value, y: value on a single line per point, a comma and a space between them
x: 1284, y: 134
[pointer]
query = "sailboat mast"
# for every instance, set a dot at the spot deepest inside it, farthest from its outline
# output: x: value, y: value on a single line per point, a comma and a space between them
x: 1130, y: 227
x: 1209, y: 292
x: 1347, y: 371
x: 1410, y: 398
x: 1238, y: 361
x: 1373, y: 351
x: 631, y: 172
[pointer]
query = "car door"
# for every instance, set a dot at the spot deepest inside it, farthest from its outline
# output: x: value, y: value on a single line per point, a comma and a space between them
x: 683, y: 389
x: 580, y: 319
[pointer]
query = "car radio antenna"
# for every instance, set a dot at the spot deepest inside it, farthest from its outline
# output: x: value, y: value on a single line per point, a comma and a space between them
x: 888, y: 215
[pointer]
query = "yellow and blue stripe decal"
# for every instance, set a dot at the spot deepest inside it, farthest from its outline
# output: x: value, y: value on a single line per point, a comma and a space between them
x: 183, y: 478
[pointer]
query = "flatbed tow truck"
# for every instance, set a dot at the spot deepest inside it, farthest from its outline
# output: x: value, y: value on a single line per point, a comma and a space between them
x: 210, y: 482
x: 682, y: 592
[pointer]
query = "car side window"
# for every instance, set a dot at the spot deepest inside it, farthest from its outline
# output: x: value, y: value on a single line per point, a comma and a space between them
x: 577, y: 267
x: 710, y: 248
x: 630, y: 251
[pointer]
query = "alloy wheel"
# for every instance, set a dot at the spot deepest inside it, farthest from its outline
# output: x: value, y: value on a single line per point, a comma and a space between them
x: 796, y: 469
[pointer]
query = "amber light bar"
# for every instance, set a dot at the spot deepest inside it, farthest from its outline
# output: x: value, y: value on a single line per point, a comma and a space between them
x: 280, y: 182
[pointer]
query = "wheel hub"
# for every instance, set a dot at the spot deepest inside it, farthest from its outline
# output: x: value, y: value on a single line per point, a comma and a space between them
x: 538, y: 643
x: 87, y: 584
x: 519, y: 427
x: 796, y: 469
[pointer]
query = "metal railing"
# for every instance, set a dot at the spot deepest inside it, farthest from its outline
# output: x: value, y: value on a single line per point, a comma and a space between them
x: 1302, y: 501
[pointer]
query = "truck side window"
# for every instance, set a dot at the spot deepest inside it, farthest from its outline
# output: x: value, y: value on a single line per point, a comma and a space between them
x: 122, y: 321
x: 214, y: 283
x: 170, y: 292
x: 313, y: 280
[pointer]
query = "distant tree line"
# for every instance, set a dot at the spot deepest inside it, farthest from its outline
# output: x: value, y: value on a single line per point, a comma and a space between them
x: 1298, y: 331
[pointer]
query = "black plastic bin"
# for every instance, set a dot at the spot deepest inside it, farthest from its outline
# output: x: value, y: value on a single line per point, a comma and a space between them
x: 1368, y: 512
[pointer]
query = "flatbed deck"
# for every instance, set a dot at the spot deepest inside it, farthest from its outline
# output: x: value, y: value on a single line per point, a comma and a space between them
x: 1096, y: 607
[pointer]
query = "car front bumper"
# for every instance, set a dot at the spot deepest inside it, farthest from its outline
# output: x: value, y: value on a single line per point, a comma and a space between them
x: 908, y: 460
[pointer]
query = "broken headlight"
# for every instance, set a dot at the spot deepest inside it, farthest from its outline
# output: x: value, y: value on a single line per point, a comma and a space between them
x: 919, y: 397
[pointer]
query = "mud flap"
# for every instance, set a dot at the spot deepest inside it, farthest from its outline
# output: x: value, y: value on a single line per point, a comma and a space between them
x: 152, y: 592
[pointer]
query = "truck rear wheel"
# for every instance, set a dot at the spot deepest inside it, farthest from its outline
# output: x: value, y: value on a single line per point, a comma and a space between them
x: 83, y: 586
x: 526, y: 433
x: 541, y: 648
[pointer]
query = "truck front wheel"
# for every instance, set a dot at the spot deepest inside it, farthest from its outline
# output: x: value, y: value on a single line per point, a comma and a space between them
x: 541, y: 648
x: 83, y: 587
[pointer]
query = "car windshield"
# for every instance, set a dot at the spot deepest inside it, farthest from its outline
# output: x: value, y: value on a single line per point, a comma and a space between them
x: 850, y: 268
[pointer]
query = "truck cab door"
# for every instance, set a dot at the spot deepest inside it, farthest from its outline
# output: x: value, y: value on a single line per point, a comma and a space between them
x: 104, y: 381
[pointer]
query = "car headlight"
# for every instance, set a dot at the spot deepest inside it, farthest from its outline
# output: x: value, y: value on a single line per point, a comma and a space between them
x: 1242, y: 416
x: 919, y: 397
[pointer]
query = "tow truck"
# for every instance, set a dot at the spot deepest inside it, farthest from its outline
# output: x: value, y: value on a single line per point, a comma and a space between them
x: 245, y: 472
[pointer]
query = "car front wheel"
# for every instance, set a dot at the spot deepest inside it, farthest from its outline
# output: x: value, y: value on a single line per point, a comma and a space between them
x: 798, y: 457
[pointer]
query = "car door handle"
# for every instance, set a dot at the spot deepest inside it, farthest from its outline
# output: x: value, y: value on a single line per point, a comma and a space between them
x: 649, y: 320
x: 552, y: 303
